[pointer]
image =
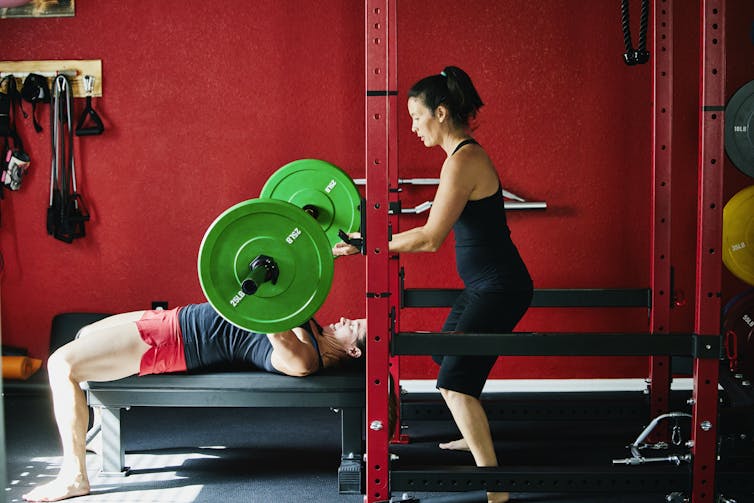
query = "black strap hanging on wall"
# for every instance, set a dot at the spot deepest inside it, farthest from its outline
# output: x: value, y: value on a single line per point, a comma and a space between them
x: 13, y: 160
x: 10, y: 102
x: 640, y: 55
x: 6, y: 105
x: 66, y: 213
x: 35, y: 90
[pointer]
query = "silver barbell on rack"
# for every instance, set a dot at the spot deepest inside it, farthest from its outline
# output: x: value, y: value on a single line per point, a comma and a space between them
x: 517, y: 203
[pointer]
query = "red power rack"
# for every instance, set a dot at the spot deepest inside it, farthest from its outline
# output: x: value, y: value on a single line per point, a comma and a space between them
x: 660, y: 274
x: 381, y: 172
x: 708, y: 252
x: 383, y: 288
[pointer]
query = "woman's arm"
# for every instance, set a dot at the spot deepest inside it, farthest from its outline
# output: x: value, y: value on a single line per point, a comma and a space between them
x: 456, y: 185
x: 292, y: 354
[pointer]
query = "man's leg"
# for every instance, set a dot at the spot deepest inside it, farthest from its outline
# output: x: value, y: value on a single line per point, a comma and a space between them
x: 107, y: 350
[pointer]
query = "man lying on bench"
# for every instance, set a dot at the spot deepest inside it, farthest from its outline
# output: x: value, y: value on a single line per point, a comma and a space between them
x: 191, y: 338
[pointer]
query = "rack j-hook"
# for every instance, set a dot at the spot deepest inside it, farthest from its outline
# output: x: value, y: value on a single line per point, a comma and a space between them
x: 89, y: 112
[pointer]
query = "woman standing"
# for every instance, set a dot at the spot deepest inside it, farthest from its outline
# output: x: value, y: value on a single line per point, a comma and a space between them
x: 469, y: 200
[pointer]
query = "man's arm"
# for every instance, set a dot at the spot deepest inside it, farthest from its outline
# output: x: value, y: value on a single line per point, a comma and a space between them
x: 292, y: 353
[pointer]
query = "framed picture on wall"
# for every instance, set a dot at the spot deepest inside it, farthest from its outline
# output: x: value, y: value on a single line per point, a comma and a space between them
x: 37, y: 8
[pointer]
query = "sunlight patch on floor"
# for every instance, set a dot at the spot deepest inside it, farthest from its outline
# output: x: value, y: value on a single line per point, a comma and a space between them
x: 149, y: 468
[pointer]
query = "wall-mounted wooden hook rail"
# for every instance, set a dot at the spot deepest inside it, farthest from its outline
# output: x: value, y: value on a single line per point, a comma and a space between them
x: 75, y: 70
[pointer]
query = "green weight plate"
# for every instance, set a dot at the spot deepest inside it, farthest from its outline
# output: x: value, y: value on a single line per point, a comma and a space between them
x: 289, y: 236
x: 322, y: 185
x: 738, y: 235
x: 739, y: 129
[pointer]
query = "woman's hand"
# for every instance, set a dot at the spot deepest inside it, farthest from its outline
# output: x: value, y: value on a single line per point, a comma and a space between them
x: 343, y: 248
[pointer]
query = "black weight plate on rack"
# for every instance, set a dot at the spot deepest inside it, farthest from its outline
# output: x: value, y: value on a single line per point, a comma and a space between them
x: 739, y: 132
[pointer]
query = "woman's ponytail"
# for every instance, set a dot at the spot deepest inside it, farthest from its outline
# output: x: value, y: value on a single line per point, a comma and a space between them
x: 452, y: 88
x: 463, y: 95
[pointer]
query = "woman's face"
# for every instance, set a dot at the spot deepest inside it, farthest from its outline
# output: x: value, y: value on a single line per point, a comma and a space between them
x: 348, y: 332
x: 423, y: 122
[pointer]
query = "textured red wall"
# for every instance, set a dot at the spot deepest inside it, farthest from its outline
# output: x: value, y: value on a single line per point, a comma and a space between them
x: 203, y: 103
x: 566, y: 122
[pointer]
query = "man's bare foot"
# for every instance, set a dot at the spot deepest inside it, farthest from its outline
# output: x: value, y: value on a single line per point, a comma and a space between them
x: 59, y: 489
x: 456, y: 445
x: 498, y: 497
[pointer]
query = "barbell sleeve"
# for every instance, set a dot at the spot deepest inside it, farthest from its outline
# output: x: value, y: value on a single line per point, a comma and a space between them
x: 261, y: 270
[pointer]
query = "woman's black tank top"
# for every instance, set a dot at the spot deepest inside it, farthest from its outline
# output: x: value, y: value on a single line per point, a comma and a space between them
x: 486, y: 258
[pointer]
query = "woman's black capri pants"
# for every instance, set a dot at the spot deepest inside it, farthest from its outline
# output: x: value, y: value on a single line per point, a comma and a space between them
x: 478, y: 311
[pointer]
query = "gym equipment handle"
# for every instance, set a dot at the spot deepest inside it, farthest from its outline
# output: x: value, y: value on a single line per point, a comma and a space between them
x: 357, y: 242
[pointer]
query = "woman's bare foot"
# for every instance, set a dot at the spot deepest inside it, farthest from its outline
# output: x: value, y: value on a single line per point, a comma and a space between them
x: 59, y: 489
x: 456, y: 445
x: 498, y: 497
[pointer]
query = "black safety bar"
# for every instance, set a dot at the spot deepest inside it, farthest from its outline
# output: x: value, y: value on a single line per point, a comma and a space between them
x: 547, y: 344
x: 552, y: 297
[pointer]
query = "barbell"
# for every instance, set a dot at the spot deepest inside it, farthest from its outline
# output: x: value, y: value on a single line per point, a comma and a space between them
x: 266, y: 264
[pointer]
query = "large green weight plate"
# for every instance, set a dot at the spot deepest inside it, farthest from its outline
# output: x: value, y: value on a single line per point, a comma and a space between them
x: 289, y: 236
x: 322, y: 185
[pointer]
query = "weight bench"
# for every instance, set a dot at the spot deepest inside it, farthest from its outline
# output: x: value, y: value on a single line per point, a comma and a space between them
x: 340, y: 389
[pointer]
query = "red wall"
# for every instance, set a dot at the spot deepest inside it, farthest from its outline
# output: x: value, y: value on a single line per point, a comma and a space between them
x: 202, y: 104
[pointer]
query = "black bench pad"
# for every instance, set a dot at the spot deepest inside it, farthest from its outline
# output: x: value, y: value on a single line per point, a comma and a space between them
x: 232, y: 389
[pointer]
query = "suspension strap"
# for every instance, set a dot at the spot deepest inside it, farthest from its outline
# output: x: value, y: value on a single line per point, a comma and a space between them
x: 67, y: 212
x: 640, y: 55
x: 10, y: 103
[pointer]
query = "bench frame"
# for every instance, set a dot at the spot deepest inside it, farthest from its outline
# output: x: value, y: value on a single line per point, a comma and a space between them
x: 341, y: 391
